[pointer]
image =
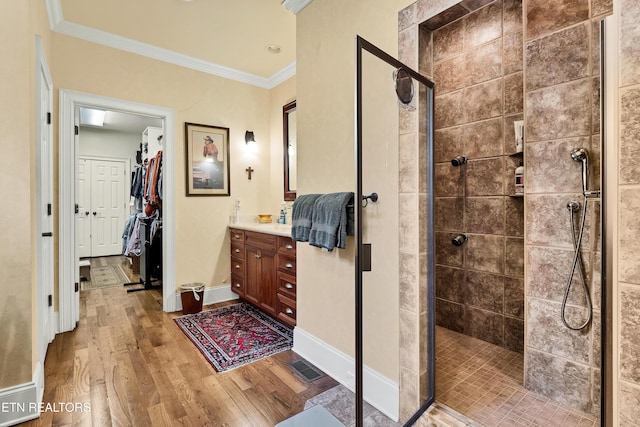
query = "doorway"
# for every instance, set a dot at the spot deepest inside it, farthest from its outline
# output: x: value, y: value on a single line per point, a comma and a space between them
x: 69, y: 275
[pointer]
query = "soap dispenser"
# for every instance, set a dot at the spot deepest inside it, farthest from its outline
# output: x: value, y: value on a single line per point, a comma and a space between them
x: 519, y: 176
x: 283, y: 214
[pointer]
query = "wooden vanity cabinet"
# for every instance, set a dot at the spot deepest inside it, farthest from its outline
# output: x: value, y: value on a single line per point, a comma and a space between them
x: 263, y: 272
x: 237, y: 262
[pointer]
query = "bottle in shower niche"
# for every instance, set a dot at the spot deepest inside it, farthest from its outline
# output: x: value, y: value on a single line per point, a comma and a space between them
x: 519, y: 175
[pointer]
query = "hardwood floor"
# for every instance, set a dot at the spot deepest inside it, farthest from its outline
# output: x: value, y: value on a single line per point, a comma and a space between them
x: 131, y: 365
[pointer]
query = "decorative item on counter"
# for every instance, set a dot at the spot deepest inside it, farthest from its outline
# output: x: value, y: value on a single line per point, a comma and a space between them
x: 264, y: 218
x: 519, y: 175
x: 518, y: 128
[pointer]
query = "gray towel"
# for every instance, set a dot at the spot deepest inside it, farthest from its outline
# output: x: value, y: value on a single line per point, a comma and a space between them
x: 332, y: 221
x: 301, y: 215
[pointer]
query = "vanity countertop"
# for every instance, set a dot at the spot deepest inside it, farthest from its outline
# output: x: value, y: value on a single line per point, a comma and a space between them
x: 271, y: 228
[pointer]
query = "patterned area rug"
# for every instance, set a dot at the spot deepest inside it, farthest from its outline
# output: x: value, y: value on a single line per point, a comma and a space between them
x: 235, y: 335
x: 106, y: 276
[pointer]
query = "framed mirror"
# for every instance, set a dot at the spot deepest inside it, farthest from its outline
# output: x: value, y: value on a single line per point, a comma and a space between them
x: 289, y: 150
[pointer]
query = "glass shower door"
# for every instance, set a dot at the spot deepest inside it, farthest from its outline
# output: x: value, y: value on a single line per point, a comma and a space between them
x: 394, y: 260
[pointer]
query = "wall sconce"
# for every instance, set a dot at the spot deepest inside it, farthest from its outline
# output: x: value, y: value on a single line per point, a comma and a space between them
x: 249, y: 137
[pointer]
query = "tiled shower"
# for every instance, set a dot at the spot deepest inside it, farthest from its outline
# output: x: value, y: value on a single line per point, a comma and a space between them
x: 477, y: 67
x: 494, y: 63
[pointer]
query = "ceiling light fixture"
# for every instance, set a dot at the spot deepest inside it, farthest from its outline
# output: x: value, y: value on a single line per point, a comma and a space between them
x: 273, y: 48
x: 92, y: 117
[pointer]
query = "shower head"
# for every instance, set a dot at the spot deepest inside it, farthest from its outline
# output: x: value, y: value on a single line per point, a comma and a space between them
x: 579, y: 154
x: 459, y: 161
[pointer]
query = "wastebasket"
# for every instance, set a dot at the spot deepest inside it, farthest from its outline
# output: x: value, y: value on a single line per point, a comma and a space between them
x: 192, y: 295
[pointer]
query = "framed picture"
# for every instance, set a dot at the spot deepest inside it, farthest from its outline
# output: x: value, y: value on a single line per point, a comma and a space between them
x: 207, y: 154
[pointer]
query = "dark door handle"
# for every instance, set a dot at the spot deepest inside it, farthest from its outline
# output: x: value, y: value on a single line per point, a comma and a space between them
x: 94, y: 213
x: 47, y: 234
x: 86, y: 212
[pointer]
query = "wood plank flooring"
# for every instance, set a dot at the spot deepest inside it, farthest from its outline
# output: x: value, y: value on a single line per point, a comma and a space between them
x: 132, y: 366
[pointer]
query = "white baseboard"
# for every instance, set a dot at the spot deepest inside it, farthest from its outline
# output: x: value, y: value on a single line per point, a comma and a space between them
x: 212, y: 296
x: 379, y: 391
x: 20, y: 403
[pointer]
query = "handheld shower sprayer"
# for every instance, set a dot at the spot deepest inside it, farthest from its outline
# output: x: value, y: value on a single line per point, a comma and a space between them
x: 581, y: 155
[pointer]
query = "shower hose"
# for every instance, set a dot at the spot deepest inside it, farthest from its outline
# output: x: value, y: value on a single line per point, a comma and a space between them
x: 577, y: 264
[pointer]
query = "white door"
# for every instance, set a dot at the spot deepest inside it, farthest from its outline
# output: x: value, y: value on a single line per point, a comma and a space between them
x: 102, y: 204
x: 83, y: 235
x: 46, y: 329
x: 107, y: 207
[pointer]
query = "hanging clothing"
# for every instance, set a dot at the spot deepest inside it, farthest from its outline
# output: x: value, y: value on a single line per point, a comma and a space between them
x: 154, y: 195
x: 137, y: 186
x: 126, y: 232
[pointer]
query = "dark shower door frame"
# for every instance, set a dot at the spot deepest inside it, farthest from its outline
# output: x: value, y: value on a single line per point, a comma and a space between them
x: 362, y: 257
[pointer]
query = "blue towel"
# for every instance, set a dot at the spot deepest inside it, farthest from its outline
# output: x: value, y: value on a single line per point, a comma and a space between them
x: 301, y: 215
x: 332, y: 221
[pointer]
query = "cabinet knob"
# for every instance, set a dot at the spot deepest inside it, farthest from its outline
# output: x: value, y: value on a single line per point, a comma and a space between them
x: 238, y: 266
x: 258, y: 256
x: 288, y: 265
x: 236, y: 236
x: 288, y: 311
x: 237, y: 251
x: 237, y: 285
x: 288, y: 286
x: 289, y: 246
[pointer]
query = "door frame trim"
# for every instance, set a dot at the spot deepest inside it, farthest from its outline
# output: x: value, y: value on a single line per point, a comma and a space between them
x: 68, y: 156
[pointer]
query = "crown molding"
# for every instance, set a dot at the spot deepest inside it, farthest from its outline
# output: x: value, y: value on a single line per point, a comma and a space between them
x: 295, y: 6
x: 60, y: 26
x: 54, y: 12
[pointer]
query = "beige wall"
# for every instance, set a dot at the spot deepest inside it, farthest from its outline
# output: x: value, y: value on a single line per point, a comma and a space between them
x: 201, y: 237
x: 20, y: 21
x: 326, y: 32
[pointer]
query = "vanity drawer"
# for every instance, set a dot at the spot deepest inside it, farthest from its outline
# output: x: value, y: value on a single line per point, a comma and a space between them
x: 237, y: 284
x: 237, y: 250
x: 237, y: 266
x: 287, y: 263
x: 260, y: 240
x: 286, y: 310
x: 286, y: 246
x: 237, y: 235
x: 287, y: 285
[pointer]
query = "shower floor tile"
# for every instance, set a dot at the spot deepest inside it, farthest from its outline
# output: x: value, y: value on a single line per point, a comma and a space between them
x: 483, y: 382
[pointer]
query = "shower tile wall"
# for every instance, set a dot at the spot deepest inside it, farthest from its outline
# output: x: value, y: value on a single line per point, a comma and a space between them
x: 629, y: 206
x: 477, y: 70
x: 561, y: 83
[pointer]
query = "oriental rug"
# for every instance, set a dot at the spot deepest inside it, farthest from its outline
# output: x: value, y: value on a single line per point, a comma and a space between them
x: 235, y: 335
